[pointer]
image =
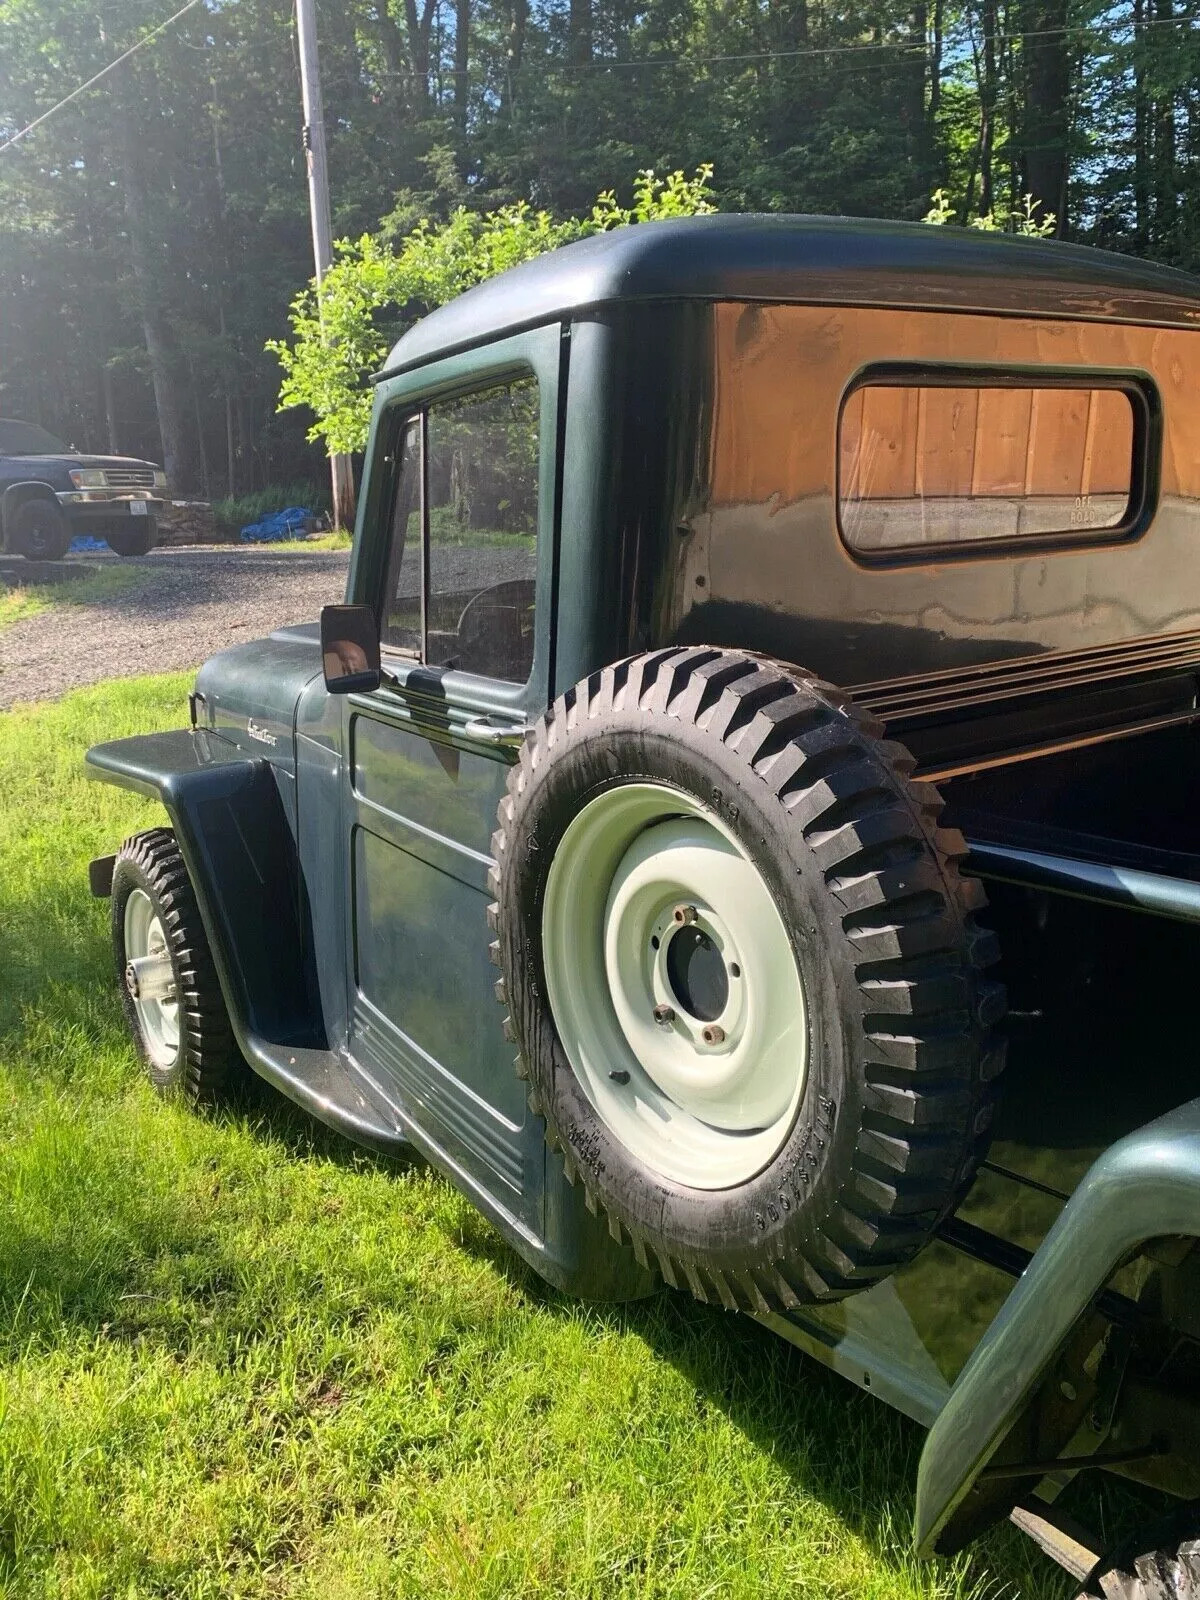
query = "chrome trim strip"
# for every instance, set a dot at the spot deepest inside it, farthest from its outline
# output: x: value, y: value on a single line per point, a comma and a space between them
x: 940, y: 692
x: 1009, y: 758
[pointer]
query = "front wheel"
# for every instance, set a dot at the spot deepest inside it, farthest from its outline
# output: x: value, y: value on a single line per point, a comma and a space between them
x: 172, y: 997
x: 138, y: 539
x: 38, y: 530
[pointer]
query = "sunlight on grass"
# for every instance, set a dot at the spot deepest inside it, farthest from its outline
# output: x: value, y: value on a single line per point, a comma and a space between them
x: 337, y: 539
x: 34, y: 599
x: 240, y: 1358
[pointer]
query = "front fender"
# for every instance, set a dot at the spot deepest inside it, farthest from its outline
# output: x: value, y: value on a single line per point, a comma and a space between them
x: 15, y: 493
x: 1144, y: 1187
x: 235, y: 833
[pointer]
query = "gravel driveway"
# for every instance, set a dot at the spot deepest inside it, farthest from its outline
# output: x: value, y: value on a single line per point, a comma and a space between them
x: 181, y: 606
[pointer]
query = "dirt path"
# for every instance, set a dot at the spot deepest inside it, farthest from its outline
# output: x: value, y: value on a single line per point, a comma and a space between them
x: 179, y: 608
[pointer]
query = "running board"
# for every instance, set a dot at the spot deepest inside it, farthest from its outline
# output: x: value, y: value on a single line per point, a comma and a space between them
x: 1128, y: 887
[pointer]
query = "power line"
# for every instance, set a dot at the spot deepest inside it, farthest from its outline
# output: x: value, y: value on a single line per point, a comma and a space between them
x: 914, y: 46
x: 103, y: 73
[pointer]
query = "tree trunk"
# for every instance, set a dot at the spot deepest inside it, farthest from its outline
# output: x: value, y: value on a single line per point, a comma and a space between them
x: 1166, y: 190
x: 418, y: 27
x: 227, y: 367
x: 462, y: 63
x: 935, y: 70
x: 1047, y: 107
x: 516, y: 51
x: 110, y: 409
x: 202, y: 448
x: 391, y: 42
x: 987, y: 108
x: 167, y: 400
x: 579, y: 32
x: 1141, y: 129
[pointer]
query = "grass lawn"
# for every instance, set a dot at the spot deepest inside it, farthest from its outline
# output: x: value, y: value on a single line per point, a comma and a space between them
x: 335, y: 539
x: 240, y: 1358
x: 31, y: 600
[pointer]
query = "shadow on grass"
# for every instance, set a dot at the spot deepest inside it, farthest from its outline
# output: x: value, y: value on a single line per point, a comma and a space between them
x: 837, y: 1444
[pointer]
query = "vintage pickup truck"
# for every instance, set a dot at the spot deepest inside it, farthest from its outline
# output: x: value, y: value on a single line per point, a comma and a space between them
x: 767, y: 641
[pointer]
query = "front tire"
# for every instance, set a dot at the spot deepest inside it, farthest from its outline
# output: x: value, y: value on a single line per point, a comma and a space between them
x: 39, y: 531
x: 169, y: 986
x: 787, y: 1115
x: 138, y: 539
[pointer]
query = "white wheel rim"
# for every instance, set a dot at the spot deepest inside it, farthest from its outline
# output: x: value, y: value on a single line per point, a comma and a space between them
x: 701, y: 1110
x: 146, y: 952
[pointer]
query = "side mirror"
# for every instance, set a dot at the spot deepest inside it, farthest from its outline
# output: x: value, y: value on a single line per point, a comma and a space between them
x: 350, y: 649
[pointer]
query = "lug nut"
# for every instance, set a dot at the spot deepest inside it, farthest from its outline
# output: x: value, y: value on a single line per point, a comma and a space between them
x: 684, y: 914
x: 713, y: 1034
x: 664, y: 1016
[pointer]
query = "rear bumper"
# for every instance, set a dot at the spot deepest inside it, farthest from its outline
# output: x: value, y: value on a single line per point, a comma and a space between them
x: 1144, y: 1187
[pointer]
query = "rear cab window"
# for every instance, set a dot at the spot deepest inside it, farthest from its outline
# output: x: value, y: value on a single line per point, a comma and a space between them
x: 960, y: 464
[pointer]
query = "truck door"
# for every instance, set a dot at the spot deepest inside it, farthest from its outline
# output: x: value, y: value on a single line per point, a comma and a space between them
x: 458, y: 548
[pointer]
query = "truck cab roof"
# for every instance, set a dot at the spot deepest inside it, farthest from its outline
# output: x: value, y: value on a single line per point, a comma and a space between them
x: 834, y: 260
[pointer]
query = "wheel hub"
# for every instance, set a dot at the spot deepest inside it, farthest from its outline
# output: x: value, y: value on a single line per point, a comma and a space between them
x: 697, y: 973
x: 150, y: 980
x: 674, y: 985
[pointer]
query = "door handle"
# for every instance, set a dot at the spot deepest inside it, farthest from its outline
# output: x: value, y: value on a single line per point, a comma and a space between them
x: 484, y: 731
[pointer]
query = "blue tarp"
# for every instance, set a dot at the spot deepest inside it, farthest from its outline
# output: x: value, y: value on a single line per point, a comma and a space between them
x: 279, y: 525
x: 86, y: 542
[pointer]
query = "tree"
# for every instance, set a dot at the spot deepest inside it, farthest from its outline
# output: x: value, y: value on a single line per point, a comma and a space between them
x: 374, y: 291
x: 141, y: 279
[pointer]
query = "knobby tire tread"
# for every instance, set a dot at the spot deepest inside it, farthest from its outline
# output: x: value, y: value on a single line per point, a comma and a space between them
x: 211, y: 1066
x: 932, y: 1056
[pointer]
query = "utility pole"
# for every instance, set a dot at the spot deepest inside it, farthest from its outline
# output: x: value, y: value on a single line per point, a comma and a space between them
x: 318, y: 199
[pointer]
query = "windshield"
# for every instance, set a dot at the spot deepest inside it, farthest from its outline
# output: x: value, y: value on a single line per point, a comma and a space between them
x: 27, y: 439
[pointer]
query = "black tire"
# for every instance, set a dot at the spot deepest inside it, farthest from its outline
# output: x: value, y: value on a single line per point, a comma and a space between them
x: 903, y: 1050
x: 207, y: 1067
x: 38, y: 530
x: 137, y: 539
x: 1163, y: 1563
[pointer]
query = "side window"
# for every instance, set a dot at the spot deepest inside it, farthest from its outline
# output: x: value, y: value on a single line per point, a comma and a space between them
x: 482, y: 477
x: 401, y: 621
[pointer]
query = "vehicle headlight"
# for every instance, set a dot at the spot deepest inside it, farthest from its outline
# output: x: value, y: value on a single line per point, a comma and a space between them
x: 160, y: 479
x: 88, y: 478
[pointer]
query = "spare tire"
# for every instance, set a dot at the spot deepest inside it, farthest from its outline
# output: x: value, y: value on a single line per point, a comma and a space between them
x: 744, y: 975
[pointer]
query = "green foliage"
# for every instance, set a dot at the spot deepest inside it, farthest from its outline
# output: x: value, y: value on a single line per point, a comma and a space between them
x: 236, y: 512
x: 1020, y: 219
x: 33, y: 599
x: 434, y: 105
x: 373, y: 291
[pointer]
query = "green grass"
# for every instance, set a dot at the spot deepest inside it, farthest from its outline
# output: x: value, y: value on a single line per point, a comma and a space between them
x: 336, y: 539
x: 34, y: 599
x: 240, y: 1358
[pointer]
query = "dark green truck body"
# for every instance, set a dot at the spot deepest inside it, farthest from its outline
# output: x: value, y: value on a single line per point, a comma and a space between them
x: 339, y: 844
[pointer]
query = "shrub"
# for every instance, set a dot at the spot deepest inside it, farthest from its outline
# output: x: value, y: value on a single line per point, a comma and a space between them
x: 373, y: 292
x: 236, y: 512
